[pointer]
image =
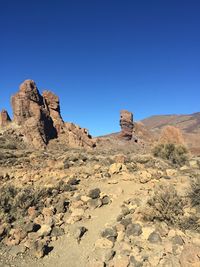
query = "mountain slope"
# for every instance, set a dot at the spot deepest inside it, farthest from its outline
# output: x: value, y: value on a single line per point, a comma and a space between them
x: 188, y: 124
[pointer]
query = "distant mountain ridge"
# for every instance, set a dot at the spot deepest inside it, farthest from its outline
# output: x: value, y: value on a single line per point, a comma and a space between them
x: 188, y: 123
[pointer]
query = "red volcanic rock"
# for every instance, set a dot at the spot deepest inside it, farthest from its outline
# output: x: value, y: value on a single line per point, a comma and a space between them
x: 53, y: 106
x: 76, y: 136
x: 4, y: 118
x: 71, y: 134
x: 30, y: 112
x: 40, y: 119
x: 126, y: 123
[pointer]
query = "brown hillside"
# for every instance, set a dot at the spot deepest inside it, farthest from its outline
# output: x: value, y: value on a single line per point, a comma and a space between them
x: 188, y: 124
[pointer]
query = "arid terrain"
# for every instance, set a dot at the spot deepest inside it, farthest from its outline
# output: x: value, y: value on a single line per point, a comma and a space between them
x: 127, y: 199
x: 188, y: 124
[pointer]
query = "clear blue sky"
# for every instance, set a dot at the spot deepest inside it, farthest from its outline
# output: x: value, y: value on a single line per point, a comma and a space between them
x: 101, y: 56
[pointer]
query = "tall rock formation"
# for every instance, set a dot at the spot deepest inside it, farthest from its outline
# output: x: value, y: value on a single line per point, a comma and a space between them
x: 39, y: 118
x: 53, y: 106
x: 4, y: 118
x: 127, y: 125
x: 29, y: 111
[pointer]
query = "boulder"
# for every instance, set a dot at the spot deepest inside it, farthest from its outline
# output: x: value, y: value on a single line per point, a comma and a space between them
x: 116, y: 168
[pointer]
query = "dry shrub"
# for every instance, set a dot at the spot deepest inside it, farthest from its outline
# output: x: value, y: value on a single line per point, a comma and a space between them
x: 166, y: 205
x: 194, y: 193
x: 177, y: 154
x: 14, y: 202
x: 190, y: 223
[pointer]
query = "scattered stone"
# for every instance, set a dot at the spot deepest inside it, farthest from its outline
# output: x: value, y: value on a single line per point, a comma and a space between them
x: 61, y: 206
x: 73, y: 181
x: 45, y: 230
x: 79, y: 233
x: 154, y: 238
x: 94, y: 203
x: 171, y: 172
x: 109, y: 233
x: 85, y: 198
x: 144, y: 176
x: 133, y: 230
x: 125, y: 210
x: 32, y: 227
x: 125, y: 221
x: 194, y: 164
x: 116, y: 168
x: 32, y: 212
x: 177, y: 240
x: 105, y: 200
x: 57, y: 231
x: 38, y: 249
x: 14, y: 238
x: 94, y: 193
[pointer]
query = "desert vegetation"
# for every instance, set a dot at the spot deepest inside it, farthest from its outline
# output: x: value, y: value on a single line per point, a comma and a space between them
x: 176, y: 154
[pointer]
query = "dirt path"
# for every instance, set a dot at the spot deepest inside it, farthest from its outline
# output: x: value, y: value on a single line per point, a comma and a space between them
x: 67, y: 252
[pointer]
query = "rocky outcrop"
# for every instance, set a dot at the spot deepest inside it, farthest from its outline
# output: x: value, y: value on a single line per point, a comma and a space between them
x: 29, y: 111
x: 4, y: 118
x: 127, y: 125
x: 53, y: 106
x: 40, y: 118
x: 69, y: 133
x: 77, y: 136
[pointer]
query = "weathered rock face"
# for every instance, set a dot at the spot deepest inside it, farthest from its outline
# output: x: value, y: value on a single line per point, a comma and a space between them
x: 30, y: 112
x: 126, y: 123
x: 40, y: 119
x: 77, y: 136
x: 53, y: 106
x: 72, y: 135
x: 4, y: 118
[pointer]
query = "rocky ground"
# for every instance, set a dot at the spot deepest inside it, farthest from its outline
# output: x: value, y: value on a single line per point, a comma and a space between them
x: 128, y: 199
x: 74, y: 207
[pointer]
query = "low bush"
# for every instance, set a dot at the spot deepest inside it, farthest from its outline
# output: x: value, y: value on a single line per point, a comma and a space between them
x: 190, y: 223
x: 165, y: 206
x: 177, y: 154
x: 194, y: 193
x: 14, y: 201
